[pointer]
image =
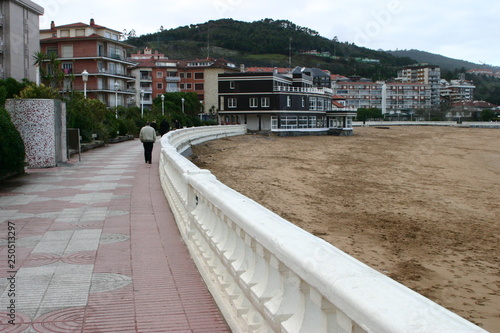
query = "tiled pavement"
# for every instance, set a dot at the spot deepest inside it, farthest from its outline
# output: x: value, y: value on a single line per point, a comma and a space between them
x: 96, y: 249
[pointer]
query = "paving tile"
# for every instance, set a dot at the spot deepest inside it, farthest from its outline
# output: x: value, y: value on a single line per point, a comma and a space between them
x: 98, y: 250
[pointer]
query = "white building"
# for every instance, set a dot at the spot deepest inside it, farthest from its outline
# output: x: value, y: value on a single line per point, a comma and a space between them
x: 457, y: 90
x: 19, y: 38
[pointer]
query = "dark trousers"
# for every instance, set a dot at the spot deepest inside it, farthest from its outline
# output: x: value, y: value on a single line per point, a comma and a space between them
x: 148, y: 150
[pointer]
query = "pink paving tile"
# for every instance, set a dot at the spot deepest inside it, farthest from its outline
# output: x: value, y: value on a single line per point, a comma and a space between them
x: 166, y: 293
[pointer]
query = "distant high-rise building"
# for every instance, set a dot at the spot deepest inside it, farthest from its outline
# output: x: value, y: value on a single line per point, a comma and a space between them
x: 426, y: 74
x: 19, y: 38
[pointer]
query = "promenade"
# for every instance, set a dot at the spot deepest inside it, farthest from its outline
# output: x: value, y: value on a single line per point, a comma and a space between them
x: 92, y: 246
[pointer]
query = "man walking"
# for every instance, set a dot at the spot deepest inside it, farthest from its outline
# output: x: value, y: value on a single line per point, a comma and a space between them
x: 147, y: 135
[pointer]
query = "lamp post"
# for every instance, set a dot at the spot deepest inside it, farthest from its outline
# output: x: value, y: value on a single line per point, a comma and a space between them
x: 85, y: 78
x: 162, y: 105
x: 142, y: 104
x: 117, y: 86
x: 182, y: 100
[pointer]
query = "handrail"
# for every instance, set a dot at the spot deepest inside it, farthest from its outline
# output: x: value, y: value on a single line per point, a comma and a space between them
x: 268, y: 275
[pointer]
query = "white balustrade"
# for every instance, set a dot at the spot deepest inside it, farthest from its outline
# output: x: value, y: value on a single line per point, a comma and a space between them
x: 268, y: 275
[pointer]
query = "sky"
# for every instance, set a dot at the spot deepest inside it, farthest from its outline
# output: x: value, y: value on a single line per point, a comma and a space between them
x: 460, y: 29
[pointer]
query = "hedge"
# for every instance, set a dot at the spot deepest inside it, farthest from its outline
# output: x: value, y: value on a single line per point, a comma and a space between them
x: 12, y: 154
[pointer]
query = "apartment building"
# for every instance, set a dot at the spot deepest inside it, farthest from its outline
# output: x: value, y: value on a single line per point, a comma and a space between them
x: 94, y: 50
x: 19, y: 38
x: 390, y: 97
x: 156, y: 75
x: 457, y: 90
x: 426, y: 74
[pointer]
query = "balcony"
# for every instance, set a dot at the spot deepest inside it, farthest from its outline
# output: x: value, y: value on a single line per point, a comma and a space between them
x: 173, y: 79
x: 304, y: 90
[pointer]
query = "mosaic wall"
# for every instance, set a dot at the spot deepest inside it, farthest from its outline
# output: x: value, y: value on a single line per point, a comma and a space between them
x: 42, y: 125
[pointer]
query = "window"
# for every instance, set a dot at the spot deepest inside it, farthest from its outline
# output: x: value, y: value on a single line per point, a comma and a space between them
x: 198, y: 86
x: 80, y: 32
x: 288, y: 101
x: 185, y: 75
x: 254, y: 102
x: 67, y: 67
x: 303, y: 122
x: 159, y: 86
x: 159, y: 75
x: 303, y: 101
x: 312, y: 122
x: 264, y: 102
x: 64, y: 33
x: 274, y: 122
x: 313, y: 103
x: 198, y: 76
x: 51, y: 50
x: 320, y: 104
x: 231, y: 85
x: 288, y: 122
x: 100, y: 50
x: 231, y: 102
x: 67, y: 51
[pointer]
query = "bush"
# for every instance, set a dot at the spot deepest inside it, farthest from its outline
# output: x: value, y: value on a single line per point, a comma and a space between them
x: 41, y: 91
x: 12, y: 152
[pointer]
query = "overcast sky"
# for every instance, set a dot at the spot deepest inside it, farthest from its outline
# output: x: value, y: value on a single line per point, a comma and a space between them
x: 460, y: 29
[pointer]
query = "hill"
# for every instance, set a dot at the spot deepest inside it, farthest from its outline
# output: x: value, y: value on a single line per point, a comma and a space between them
x: 445, y: 63
x: 281, y: 43
x: 270, y: 42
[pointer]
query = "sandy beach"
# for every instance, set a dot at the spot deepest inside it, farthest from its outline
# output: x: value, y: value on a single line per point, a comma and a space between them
x: 419, y: 204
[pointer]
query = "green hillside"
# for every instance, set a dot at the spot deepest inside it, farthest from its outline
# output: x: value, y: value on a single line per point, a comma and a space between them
x: 270, y: 43
x: 445, y: 63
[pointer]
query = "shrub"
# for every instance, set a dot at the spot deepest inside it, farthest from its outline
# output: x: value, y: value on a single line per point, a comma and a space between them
x: 12, y: 152
x: 41, y: 91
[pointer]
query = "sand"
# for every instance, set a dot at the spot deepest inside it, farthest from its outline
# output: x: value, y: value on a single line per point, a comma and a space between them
x: 419, y: 204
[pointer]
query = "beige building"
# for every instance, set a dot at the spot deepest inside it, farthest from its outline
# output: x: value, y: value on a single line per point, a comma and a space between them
x: 19, y: 38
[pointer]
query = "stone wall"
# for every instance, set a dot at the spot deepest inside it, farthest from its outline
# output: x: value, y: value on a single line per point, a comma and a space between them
x: 42, y: 125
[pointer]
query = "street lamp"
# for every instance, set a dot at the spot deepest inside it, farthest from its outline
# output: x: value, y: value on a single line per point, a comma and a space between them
x: 142, y: 104
x: 85, y: 78
x: 182, y: 100
x: 117, y: 86
x: 162, y: 105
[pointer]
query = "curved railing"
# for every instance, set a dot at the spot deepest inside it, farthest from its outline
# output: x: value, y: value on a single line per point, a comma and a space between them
x: 268, y: 275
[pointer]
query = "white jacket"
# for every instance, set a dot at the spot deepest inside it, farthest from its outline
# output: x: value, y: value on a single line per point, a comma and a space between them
x: 147, y: 134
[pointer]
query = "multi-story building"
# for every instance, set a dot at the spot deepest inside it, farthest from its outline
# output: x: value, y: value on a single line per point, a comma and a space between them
x: 93, y: 49
x: 406, y: 97
x: 390, y: 97
x: 274, y: 102
x: 457, y: 90
x: 157, y: 75
x: 359, y: 94
x: 19, y: 38
x: 426, y: 74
